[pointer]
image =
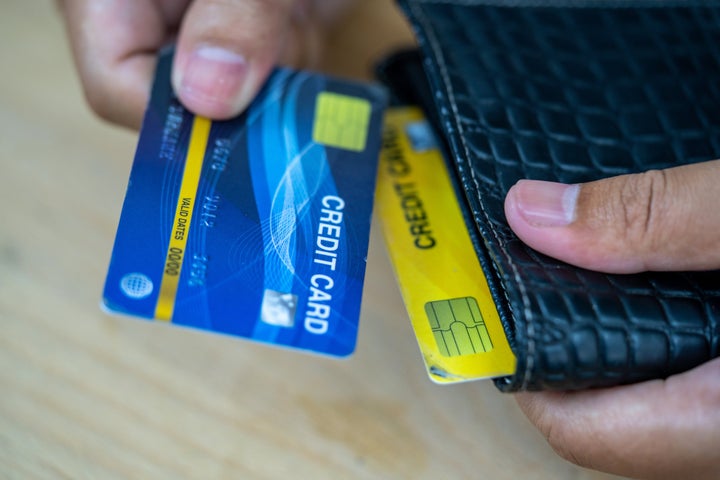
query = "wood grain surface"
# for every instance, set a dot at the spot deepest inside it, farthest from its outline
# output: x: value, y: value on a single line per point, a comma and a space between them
x: 88, y: 395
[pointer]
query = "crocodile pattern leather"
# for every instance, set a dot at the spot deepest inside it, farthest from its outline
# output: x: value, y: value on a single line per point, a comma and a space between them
x: 574, y: 91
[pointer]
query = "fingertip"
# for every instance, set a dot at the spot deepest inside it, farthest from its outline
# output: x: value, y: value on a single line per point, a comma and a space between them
x: 225, y: 51
x: 545, y: 204
x: 213, y: 81
x: 512, y: 214
x: 119, y: 93
x: 540, y: 212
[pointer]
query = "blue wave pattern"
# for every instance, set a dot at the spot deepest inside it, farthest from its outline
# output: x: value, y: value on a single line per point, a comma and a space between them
x: 288, y: 170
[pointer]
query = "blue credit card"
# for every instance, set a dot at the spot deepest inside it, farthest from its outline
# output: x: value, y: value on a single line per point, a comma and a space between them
x: 258, y: 226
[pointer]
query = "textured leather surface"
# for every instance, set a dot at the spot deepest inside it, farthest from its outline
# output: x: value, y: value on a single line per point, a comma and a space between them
x: 574, y: 91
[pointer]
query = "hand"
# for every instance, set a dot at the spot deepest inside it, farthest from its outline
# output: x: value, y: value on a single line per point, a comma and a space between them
x: 661, y: 429
x: 660, y: 220
x: 225, y: 49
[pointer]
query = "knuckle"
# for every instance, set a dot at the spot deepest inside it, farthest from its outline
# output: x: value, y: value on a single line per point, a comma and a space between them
x: 557, y: 433
x: 284, y: 4
x: 564, y: 433
x: 262, y: 22
x: 558, y: 437
x: 561, y: 445
x: 113, y: 107
x: 642, y: 208
x: 99, y: 101
x: 575, y: 442
x: 252, y: 6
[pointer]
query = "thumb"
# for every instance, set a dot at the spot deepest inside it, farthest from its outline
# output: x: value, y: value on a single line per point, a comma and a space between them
x: 657, y: 220
x: 225, y: 51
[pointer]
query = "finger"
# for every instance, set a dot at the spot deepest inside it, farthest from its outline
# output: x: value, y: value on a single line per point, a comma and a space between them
x: 658, y: 429
x: 304, y: 39
x: 658, y: 220
x: 225, y: 51
x: 309, y: 25
x: 114, y: 45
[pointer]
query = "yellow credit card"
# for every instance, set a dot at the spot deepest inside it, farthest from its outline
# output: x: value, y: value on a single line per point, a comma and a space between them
x: 442, y: 283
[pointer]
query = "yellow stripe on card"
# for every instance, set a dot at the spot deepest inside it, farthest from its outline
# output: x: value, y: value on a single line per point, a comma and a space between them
x: 183, y: 216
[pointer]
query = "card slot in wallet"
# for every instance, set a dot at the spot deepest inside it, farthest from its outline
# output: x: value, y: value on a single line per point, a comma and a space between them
x: 573, y: 91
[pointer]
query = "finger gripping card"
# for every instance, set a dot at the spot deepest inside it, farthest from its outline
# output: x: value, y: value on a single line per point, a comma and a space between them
x: 258, y: 226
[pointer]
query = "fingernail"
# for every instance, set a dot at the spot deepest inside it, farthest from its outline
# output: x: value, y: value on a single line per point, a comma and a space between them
x: 212, y: 80
x: 546, y: 204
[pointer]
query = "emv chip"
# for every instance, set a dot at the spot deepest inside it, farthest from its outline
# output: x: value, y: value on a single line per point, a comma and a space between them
x: 458, y: 327
x: 341, y: 121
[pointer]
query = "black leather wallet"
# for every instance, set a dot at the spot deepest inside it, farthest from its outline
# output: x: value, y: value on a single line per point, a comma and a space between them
x: 573, y: 91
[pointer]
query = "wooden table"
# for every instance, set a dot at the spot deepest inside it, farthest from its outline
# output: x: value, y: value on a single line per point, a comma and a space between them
x: 88, y: 395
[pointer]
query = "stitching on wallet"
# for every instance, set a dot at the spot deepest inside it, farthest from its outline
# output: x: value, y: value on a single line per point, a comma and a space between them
x: 529, y: 327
